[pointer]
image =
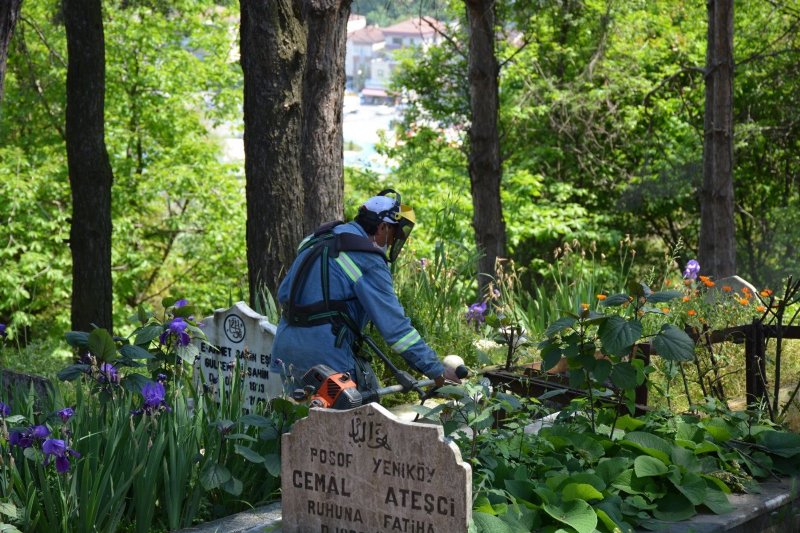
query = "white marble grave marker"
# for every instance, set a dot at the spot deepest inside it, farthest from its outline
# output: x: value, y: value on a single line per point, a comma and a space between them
x: 365, y: 470
x: 239, y: 338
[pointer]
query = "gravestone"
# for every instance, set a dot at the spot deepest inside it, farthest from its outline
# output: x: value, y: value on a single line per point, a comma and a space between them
x: 15, y: 383
x: 239, y: 338
x: 365, y: 470
x: 735, y: 284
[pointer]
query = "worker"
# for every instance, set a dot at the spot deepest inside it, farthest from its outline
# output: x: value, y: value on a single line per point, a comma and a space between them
x: 339, y: 282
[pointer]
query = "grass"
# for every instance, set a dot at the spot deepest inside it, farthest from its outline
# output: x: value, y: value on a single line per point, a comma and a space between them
x: 44, y: 357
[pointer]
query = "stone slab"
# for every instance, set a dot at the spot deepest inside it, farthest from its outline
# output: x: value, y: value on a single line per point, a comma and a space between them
x: 365, y: 470
x: 775, y: 510
x: 239, y: 338
x: 259, y: 520
x: 13, y: 382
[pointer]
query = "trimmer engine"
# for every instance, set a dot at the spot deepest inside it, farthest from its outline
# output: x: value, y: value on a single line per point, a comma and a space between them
x: 328, y: 388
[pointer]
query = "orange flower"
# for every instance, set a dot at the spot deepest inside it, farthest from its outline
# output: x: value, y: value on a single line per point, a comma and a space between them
x: 746, y: 291
x: 686, y: 298
x: 687, y: 282
x: 761, y: 308
x: 691, y: 312
x: 704, y: 278
x: 584, y: 306
x: 766, y: 293
x: 744, y: 301
x: 727, y: 288
x: 601, y: 297
x: 668, y: 283
x: 709, y: 283
x: 665, y: 309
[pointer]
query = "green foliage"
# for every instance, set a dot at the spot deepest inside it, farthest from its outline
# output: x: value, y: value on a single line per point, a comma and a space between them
x: 142, y: 466
x: 178, y: 210
x: 658, y: 467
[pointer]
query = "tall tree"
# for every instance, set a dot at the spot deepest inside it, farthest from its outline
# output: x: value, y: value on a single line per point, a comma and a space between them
x: 293, y: 61
x: 485, y: 171
x: 717, y: 253
x: 323, y: 96
x: 273, y: 52
x: 9, y: 13
x: 89, y: 169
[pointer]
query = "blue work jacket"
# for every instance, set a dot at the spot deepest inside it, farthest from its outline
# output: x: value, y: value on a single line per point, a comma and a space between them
x: 364, y: 282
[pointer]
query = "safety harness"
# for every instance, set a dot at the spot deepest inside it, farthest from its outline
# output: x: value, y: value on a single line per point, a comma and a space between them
x: 325, y: 244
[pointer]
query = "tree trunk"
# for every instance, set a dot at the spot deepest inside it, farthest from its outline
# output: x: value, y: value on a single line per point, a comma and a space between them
x: 89, y: 169
x: 323, y: 97
x: 273, y: 52
x: 717, y: 254
x: 9, y: 13
x: 485, y: 170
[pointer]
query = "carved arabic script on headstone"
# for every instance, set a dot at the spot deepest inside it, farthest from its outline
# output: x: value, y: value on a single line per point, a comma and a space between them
x: 365, y: 470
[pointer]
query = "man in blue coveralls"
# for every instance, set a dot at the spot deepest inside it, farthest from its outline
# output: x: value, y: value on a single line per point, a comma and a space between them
x: 339, y: 282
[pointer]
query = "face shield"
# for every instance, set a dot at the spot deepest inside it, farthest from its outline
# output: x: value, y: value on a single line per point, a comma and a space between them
x: 404, y: 218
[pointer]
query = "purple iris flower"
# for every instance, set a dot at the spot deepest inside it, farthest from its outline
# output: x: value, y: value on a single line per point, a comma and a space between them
x: 692, y: 269
x: 161, y: 378
x: 20, y: 438
x: 177, y: 330
x: 2, y: 330
x: 108, y: 374
x: 180, y: 303
x: 5, y: 409
x: 58, y: 448
x: 40, y: 432
x: 66, y: 413
x: 25, y: 438
x: 476, y: 313
x: 154, y: 396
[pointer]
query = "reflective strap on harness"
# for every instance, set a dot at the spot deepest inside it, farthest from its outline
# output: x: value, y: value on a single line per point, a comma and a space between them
x: 408, y: 340
x: 349, y: 266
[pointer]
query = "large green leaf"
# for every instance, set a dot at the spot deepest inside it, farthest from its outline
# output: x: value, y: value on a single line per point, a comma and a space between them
x: 559, y: 325
x: 624, y: 376
x: 147, y: 334
x: 650, y: 444
x: 674, y: 507
x: 693, y: 487
x: 580, y: 491
x: 663, y: 296
x: 132, y: 351
x: 577, y: 514
x: 780, y: 443
x: 101, y: 344
x: 673, y: 344
x: 233, y: 486
x: 615, y: 300
x: 248, y: 453
x: 618, y: 335
x: 214, y: 475
x: 716, y: 500
x: 551, y: 355
x: 486, y: 523
x: 272, y: 462
x: 609, y: 469
x: 646, y: 466
x: 72, y: 372
x: 77, y: 338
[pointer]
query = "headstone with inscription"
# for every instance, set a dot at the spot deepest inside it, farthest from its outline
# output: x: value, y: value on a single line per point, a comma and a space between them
x: 364, y: 470
x: 239, y: 338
